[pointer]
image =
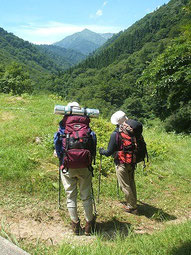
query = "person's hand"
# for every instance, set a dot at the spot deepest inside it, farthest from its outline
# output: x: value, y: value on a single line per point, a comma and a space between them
x: 101, y: 151
x: 55, y: 154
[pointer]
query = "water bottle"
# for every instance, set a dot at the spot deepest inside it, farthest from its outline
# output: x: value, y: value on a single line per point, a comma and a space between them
x: 63, y: 110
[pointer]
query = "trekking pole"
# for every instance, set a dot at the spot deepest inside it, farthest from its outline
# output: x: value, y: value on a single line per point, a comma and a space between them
x: 93, y: 199
x: 117, y: 188
x: 59, y: 189
x: 99, y: 184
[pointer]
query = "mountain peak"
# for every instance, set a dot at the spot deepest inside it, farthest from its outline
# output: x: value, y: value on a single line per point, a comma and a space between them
x: 85, y: 41
x: 86, y: 30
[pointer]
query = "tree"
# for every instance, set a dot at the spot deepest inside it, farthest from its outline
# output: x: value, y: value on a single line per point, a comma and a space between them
x: 167, y: 80
x: 15, y: 80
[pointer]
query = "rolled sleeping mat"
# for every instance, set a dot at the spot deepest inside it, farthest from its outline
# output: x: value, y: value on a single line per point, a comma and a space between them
x: 63, y: 110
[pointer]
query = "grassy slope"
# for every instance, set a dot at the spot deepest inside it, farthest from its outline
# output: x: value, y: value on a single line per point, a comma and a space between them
x: 28, y: 180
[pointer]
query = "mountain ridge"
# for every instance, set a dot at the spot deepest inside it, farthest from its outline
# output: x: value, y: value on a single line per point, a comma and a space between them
x: 133, y: 71
x: 85, y: 41
x: 38, y: 59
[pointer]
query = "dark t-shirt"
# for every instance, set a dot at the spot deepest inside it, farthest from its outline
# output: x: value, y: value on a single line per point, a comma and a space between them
x: 112, y: 145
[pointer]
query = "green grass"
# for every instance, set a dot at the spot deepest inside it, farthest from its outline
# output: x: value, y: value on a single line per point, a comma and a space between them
x: 29, y: 182
x: 174, y: 240
x: 171, y: 241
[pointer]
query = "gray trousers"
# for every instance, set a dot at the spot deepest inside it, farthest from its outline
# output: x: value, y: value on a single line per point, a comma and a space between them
x: 125, y: 176
x: 70, y: 180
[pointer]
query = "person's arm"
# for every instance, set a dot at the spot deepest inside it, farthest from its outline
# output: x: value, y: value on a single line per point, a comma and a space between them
x: 112, y: 146
x: 58, y: 141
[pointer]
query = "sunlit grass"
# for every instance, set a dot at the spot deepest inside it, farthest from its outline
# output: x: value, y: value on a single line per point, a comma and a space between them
x: 28, y: 169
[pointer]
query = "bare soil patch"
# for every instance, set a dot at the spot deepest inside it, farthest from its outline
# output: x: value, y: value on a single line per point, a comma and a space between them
x: 6, y: 116
x: 48, y: 224
x: 32, y: 224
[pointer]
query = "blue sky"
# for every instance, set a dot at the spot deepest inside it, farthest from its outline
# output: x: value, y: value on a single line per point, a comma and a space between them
x: 48, y: 21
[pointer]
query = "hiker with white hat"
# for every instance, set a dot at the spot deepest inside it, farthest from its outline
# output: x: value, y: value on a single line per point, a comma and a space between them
x: 73, y: 104
x: 125, y: 164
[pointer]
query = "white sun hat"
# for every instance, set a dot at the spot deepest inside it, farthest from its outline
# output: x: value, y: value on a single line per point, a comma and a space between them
x: 73, y: 104
x: 118, y: 118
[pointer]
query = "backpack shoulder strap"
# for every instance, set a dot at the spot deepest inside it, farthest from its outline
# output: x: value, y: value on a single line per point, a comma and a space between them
x: 118, y: 140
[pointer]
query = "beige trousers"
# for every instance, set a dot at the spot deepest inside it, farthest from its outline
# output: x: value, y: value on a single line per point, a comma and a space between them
x: 125, y: 176
x: 70, y: 180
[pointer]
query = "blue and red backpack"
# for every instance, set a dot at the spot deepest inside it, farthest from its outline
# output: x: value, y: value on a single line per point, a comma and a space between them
x: 75, y: 142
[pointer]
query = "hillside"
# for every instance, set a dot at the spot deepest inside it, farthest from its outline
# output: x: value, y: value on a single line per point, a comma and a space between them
x: 29, y: 210
x: 12, y: 48
x: 85, y: 41
x: 39, y: 60
x: 65, y: 58
x: 144, y: 70
x: 112, y: 77
x: 163, y: 23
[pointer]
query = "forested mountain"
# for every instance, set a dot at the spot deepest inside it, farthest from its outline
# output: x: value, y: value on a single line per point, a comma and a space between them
x: 12, y: 48
x: 106, y: 35
x: 154, y: 27
x: 38, y: 59
x: 85, y: 41
x: 35, y: 64
x: 63, y: 57
x: 145, y: 70
x: 146, y: 66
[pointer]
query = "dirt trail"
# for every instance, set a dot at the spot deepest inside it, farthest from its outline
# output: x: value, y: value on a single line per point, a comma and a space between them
x: 49, y: 225
x: 50, y: 229
x: 53, y: 233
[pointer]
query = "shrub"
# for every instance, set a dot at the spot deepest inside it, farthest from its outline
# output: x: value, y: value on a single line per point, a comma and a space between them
x: 180, y: 121
x: 15, y: 80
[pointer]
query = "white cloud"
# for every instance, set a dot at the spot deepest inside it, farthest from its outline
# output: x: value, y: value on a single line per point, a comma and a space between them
x: 99, y: 12
x: 56, y: 31
x: 104, y: 4
x: 52, y: 28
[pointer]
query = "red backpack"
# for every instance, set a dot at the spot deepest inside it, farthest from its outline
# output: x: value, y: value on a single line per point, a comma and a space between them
x: 128, y: 147
x: 77, y: 142
x: 132, y: 147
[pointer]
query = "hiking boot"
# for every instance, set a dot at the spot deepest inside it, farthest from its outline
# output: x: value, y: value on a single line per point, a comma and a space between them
x: 75, y: 227
x: 89, y: 227
x: 130, y: 210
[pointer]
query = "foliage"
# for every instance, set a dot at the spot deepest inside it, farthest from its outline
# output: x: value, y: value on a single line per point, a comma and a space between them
x: 167, y: 83
x: 180, y: 121
x: 160, y: 24
x: 38, y: 61
x: 145, y: 71
x: 135, y: 107
x: 12, y: 48
x: 65, y: 58
x: 15, y: 80
x: 187, y: 26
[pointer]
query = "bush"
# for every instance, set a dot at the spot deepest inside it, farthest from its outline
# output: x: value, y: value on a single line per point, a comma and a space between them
x: 15, y: 80
x: 180, y: 121
x: 136, y: 108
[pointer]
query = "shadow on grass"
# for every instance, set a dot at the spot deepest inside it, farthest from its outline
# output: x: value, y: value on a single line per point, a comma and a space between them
x: 154, y: 213
x: 109, y: 230
x: 183, y: 249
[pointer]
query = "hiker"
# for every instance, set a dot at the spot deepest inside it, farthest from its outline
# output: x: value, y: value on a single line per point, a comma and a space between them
x: 125, y: 161
x: 75, y: 145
